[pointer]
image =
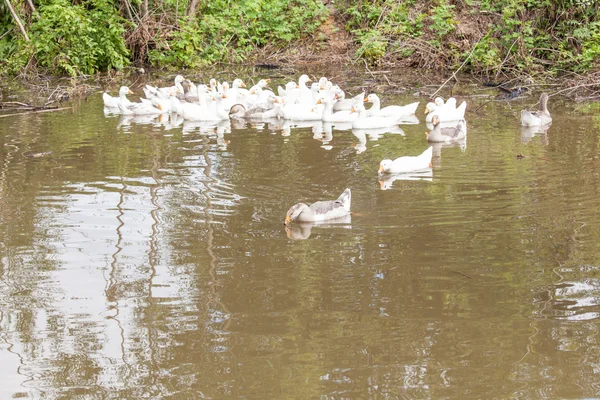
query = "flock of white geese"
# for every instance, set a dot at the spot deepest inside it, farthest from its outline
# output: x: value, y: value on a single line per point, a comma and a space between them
x: 297, y: 101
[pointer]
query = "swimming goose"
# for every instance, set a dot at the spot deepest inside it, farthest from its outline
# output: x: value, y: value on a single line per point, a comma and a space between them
x: 343, y: 103
x: 298, y: 112
x: 154, y: 107
x: 113, y: 102
x: 321, y: 210
x: 407, y: 163
x: 240, y: 111
x: 365, y: 122
x: 305, y: 94
x: 152, y: 91
x: 446, y: 112
x: 340, y: 116
x: 537, y: 118
x: 389, y: 111
x: 448, y: 134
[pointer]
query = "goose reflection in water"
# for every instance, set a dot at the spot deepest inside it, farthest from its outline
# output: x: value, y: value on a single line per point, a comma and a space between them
x: 303, y: 230
x: 436, y: 159
x: 161, y: 120
x: 374, y: 134
x: 386, y: 181
x: 529, y: 132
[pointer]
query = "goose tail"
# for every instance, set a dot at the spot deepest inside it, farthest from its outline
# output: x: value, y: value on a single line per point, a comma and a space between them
x: 345, y: 198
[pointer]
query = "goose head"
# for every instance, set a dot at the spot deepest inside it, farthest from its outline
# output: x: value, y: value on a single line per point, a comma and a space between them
x: 237, y: 111
x: 238, y: 83
x: 291, y: 86
x: 322, y: 82
x: 263, y: 83
x: 372, y: 98
x: 124, y: 91
x: 439, y: 101
x: 294, y: 212
x: 303, y: 80
x: 430, y: 107
x: 384, y: 166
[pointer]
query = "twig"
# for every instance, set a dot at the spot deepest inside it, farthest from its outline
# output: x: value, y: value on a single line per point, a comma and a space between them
x: 17, y: 19
x: 14, y: 104
x: 460, y: 273
x: 506, y: 58
x: 459, y: 68
x: 575, y: 87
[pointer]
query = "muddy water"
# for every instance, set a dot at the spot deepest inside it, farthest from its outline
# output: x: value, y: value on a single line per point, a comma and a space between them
x: 146, y: 258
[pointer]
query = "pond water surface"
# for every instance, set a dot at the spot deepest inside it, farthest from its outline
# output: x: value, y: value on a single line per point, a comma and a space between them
x: 147, y: 258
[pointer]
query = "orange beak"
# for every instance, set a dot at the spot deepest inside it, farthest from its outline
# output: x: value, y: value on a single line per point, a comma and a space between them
x: 287, y: 220
x: 297, y: 85
x: 243, y: 84
x: 336, y: 97
x: 380, y: 169
x: 129, y: 91
x: 426, y: 110
x: 319, y: 101
x: 159, y: 107
x: 267, y: 80
x: 224, y: 96
x: 365, y: 100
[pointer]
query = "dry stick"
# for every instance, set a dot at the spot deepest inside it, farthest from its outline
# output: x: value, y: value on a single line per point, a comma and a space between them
x: 30, y: 2
x: 455, y: 72
x: 576, y: 87
x: 36, y: 112
x: 505, y: 58
x: 16, y: 18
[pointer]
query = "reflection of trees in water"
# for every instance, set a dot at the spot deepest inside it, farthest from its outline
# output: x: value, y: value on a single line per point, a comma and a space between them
x: 203, y: 293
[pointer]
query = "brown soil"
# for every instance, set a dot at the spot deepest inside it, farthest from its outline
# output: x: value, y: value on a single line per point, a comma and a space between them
x: 330, y: 44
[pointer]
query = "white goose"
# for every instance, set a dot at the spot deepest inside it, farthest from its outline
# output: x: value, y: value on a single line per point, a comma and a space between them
x: 289, y: 87
x: 330, y: 116
x: 343, y: 103
x: 407, y: 163
x: 389, y: 111
x: 305, y: 94
x: 113, y: 102
x: 365, y: 122
x: 446, y: 112
x: 152, y: 91
x: 142, y: 108
x: 537, y: 118
x: 298, y: 112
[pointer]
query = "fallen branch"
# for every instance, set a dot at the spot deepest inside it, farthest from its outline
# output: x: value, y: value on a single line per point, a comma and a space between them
x: 34, y: 112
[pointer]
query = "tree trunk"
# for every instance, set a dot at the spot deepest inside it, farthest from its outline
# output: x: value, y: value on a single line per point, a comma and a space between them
x: 16, y: 18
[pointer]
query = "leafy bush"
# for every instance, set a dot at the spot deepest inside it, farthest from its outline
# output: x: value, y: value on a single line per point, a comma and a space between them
x: 230, y: 31
x: 79, y: 39
x: 545, y: 36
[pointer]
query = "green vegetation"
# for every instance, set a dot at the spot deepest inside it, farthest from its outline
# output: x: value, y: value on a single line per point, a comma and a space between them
x: 78, y: 37
x: 545, y: 36
x: 87, y: 36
